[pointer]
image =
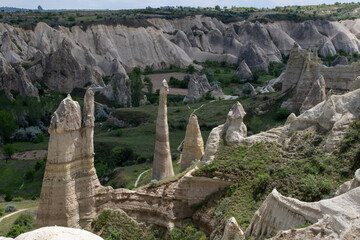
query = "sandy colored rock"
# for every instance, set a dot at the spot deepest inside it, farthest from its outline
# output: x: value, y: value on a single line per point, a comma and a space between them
x: 290, y: 118
x: 335, y: 218
x: 57, y: 233
x: 232, y: 230
x: 193, y: 148
x: 162, y: 166
x: 316, y: 95
x: 234, y: 128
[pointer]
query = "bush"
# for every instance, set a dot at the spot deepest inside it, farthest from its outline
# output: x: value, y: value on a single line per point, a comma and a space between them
x: 119, y: 133
x: 29, y: 134
x: 17, y: 199
x: 24, y: 223
x: 7, y: 125
x: 281, y: 114
x: 1, y: 211
x: 8, y: 151
x: 190, y: 69
x: 130, y: 117
x: 8, y: 197
x: 39, y: 138
x: 122, y: 155
x: 102, y: 113
x: 10, y: 208
x: 29, y: 175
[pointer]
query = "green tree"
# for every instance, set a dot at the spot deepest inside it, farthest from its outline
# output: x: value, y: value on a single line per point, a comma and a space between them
x: 190, y: 69
x: 7, y: 125
x: 8, y: 151
x: 149, y: 84
x: 217, y: 8
x: 136, y: 87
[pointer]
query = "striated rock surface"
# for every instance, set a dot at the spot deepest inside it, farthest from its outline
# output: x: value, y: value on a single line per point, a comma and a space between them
x: 193, y: 148
x: 304, y: 67
x: 72, y: 196
x: 315, y: 96
x: 335, y: 218
x: 232, y: 230
x: 243, y: 71
x: 70, y: 180
x: 234, y: 129
x: 57, y: 233
x: 162, y: 166
x: 340, y: 60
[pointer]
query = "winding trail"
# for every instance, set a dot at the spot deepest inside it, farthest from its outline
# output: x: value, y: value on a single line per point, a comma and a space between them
x: 9, y: 215
x: 138, y: 179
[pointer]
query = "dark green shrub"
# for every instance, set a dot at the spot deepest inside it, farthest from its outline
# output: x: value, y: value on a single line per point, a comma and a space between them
x: 71, y: 19
x: 8, y: 197
x: 29, y: 175
x: 24, y: 223
x: 122, y: 155
x: 282, y: 114
x: 190, y: 69
x: 130, y: 117
x: 7, y: 125
x: 10, y: 208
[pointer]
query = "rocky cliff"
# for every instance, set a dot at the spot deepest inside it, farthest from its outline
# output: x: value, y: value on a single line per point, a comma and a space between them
x: 64, y: 58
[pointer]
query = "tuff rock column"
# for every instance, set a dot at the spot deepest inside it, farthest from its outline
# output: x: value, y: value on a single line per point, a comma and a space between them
x: 193, y: 144
x: 70, y: 181
x: 234, y: 128
x: 162, y: 166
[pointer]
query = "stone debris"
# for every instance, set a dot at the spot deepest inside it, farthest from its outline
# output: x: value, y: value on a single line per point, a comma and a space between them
x: 162, y: 166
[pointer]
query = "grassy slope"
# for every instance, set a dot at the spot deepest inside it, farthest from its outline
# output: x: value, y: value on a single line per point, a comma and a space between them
x: 303, y: 171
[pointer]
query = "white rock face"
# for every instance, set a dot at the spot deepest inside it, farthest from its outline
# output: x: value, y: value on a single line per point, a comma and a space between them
x: 234, y: 128
x: 335, y: 218
x: 58, y: 233
x: 316, y: 95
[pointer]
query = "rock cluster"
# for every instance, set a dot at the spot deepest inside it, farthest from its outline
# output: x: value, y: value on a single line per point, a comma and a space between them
x: 193, y: 148
x: 303, y: 70
x: 162, y: 166
x: 197, y: 88
x: 70, y: 178
x: 72, y: 196
x: 335, y: 218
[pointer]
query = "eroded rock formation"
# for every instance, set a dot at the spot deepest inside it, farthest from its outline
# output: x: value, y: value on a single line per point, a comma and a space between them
x: 162, y: 166
x: 315, y: 96
x: 70, y: 180
x: 335, y: 218
x: 197, y: 88
x: 72, y: 196
x: 243, y: 71
x: 193, y: 148
x: 232, y: 230
x: 304, y: 68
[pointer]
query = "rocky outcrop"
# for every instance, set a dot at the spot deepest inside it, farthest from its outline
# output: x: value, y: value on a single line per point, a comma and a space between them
x: 197, y: 88
x: 254, y: 56
x: 304, y: 68
x: 193, y: 148
x: 315, y: 96
x: 70, y: 179
x: 243, y: 71
x: 116, y: 90
x: 72, y: 196
x: 247, y: 90
x: 232, y: 230
x: 234, y: 129
x: 54, y: 233
x: 162, y: 166
x: 340, y: 60
x: 335, y: 218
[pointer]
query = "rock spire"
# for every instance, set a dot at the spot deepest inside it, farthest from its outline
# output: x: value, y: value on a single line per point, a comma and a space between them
x: 162, y: 166
x: 193, y: 144
x: 234, y: 128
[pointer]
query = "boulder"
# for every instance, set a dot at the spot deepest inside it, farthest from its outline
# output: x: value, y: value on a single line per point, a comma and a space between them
x: 340, y: 60
x: 243, y: 71
x: 197, y: 88
x: 56, y: 233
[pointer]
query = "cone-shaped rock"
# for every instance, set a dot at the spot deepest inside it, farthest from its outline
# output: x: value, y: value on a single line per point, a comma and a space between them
x: 193, y: 144
x: 70, y: 180
x: 316, y: 95
x: 162, y: 166
x: 243, y: 71
x: 234, y: 128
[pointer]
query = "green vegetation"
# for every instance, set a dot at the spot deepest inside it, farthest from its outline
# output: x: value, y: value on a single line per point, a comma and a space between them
x: 7, y: 125
x: 188, y: 232
x: 302, y: 170
x: 24, y: 223
x: 8, y: 151
x: 136, y: 87
x: 115, y: 225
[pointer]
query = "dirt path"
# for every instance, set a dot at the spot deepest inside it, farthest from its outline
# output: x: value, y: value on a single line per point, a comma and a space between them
x: 138, y: 179
x: 9, y: 215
